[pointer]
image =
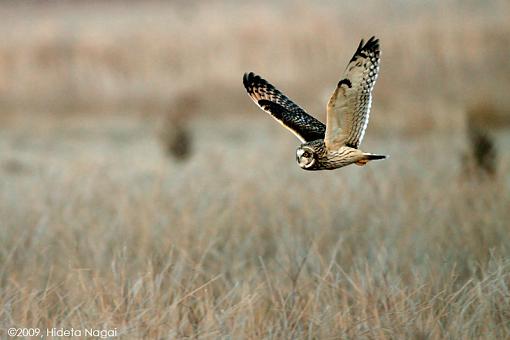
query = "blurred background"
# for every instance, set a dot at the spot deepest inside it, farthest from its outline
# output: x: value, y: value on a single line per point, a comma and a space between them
x: 133, y: 162
x: 140, y: 57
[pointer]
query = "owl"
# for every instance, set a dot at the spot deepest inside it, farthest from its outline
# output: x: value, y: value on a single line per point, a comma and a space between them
x: 336, y: 144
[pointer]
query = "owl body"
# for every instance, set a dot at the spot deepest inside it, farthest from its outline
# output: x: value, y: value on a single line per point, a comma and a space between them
x: 336, y: 144
x: 316, y: 156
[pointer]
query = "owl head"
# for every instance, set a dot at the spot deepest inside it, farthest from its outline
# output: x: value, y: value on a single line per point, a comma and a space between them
x: 306, y: 156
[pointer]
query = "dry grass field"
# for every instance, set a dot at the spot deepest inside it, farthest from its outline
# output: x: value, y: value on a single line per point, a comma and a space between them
x: 100, y: 228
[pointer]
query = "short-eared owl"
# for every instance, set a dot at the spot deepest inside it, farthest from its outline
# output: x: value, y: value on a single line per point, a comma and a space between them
x: 336, y: 144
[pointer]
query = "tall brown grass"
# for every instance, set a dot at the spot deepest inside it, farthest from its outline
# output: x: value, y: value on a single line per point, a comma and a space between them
x: 239, y: 242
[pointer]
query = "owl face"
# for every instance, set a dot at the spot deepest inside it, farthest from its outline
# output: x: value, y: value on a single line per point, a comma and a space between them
x: 306, y: 156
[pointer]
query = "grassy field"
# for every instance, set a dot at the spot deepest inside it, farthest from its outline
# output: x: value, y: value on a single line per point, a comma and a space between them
x: 101, y: 229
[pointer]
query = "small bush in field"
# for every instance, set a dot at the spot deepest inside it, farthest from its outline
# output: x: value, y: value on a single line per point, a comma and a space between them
x: 176, y: 136
x: 481, y: 158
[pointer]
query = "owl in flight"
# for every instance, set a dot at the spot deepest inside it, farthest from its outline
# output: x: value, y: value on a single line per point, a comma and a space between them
x: 331, y: 146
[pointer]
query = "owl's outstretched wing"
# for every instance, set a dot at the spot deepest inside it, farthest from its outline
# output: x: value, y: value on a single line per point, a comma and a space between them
x: 285, y: 111
x: 349, y: 107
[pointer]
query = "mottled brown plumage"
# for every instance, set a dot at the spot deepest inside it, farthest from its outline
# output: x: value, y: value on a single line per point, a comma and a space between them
x: 335, y: 145
x: 284, y: 110
x: 348, y: 109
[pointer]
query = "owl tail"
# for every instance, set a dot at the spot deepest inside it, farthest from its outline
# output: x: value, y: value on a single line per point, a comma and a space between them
x: 369, y: 157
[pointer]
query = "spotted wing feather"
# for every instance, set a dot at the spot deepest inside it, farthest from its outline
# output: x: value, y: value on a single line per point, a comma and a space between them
x: 349, y: 107
x: 284, y: 110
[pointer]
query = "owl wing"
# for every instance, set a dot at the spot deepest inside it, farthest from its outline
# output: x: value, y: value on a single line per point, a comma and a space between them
x: 349, y: 107
x: 284, y: 110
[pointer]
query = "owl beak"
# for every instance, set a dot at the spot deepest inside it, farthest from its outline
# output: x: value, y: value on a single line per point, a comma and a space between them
x: 309, y: 165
